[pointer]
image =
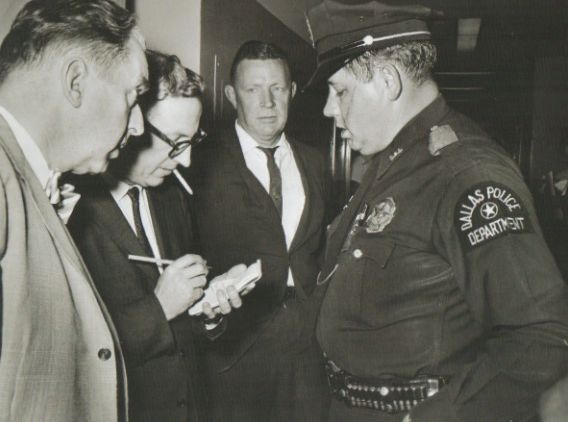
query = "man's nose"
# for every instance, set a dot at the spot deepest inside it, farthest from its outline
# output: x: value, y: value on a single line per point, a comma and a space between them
x: 267, y: 99
x: 184, y: 159
x: 330, y: 108
x: 136, y: 122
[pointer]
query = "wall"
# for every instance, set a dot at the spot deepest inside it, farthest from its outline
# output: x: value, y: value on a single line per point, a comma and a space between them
x: 226, y: 25
x: 550, y: 118
x: 8, y: 11
x: 172, y: 26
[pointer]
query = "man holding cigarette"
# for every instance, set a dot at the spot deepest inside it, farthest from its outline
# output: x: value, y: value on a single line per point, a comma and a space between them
x: 127, y: 224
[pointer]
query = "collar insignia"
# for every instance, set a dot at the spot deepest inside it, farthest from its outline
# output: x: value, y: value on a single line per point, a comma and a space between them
x: 395, y: 154
x: 440, y: 137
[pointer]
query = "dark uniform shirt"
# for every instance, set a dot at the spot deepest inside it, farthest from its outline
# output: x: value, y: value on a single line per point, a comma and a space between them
x: 438, y: 266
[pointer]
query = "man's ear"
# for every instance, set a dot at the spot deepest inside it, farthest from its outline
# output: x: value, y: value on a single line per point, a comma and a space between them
x: 389, y: 78
x: 293, y: 90
x: 231, y: 95
x: 74, y: 76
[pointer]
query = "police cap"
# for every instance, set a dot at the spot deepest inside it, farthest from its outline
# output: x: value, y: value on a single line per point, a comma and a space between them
x: 342, y: 30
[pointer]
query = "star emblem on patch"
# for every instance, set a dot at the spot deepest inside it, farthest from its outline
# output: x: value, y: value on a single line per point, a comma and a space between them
x: 489, y: 210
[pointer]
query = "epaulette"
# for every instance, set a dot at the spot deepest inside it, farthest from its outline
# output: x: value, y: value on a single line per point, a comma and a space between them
x: 440, y: 137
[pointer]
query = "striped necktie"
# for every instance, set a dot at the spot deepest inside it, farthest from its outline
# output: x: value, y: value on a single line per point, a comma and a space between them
x: 275, y: 189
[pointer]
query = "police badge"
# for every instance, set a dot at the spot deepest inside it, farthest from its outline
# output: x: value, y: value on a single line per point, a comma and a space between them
x: 381, y: 216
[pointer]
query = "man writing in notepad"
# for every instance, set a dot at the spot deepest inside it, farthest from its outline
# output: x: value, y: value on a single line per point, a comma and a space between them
x: 138, y: 210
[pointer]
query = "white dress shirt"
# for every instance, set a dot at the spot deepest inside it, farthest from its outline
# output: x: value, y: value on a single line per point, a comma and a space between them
x: 119, y: 192
x: 293, y: 195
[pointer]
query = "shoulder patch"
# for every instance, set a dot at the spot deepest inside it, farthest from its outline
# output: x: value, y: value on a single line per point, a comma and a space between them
x: 440, y: 137
x: 488, y: 211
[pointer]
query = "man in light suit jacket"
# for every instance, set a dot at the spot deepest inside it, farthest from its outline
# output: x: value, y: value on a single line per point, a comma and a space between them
x: 266, y: 203
x: 70, y: 72
x: 148, y: 301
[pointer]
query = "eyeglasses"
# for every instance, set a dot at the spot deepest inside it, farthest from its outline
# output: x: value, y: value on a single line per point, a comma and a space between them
x: 179, y: 146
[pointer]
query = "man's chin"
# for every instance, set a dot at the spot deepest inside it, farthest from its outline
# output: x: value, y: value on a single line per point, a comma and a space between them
x: 154, y: 182
x: 97, y: 169
x: 354, y: 145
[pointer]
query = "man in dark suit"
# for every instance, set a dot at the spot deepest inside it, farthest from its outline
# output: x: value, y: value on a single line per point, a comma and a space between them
x: 260, y: 194
x: 130, y: 211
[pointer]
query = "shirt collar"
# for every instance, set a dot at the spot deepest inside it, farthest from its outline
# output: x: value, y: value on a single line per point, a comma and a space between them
x: 118, y: 188
x: 31, y: 151
x: 248, y: 143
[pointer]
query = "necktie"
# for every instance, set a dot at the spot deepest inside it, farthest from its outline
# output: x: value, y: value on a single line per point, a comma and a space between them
x: 62, y: 198
x: 134, y: 194
x: 275, y: 189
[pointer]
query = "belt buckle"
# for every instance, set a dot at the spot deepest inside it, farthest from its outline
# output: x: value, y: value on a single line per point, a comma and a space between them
x: 428, y: 385
x: 433, y: 387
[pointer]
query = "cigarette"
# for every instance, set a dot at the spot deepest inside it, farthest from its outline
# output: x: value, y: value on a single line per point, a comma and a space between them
x: 183, y: 182
x: 150, y: 260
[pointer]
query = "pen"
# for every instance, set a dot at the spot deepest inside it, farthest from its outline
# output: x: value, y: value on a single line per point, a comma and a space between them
x: 182, y: 181
x: 152, y: 260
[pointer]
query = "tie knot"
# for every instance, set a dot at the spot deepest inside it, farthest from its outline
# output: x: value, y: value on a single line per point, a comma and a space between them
x: 134, y: 194
x: 268, y: 151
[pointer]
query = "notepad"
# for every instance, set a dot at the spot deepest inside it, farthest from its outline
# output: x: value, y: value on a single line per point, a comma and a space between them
x: 251, y: 274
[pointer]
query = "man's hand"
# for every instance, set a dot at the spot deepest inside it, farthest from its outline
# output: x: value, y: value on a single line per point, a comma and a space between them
x: 227, y: 294
x: 181, y: 284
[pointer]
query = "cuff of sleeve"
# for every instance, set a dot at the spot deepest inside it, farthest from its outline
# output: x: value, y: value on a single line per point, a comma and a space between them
x: 435, y: 409
x: 213, y: 323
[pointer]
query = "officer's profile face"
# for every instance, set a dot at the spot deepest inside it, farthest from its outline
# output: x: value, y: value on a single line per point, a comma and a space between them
x: 150, y: 161
x: 261, y: 94
x: 361, y: 110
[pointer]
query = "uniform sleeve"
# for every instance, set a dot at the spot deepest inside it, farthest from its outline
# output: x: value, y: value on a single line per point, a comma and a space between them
x: 487, y: 229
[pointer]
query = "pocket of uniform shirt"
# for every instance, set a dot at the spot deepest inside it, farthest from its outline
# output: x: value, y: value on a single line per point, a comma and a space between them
x: 377, y: 250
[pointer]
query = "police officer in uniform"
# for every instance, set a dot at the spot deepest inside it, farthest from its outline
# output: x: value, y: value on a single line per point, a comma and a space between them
x: 441, y: 301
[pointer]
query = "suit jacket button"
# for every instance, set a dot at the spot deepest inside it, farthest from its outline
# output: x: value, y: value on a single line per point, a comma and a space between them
x: 104, y: 354
x: 181, y: 403
x: 357, y: 253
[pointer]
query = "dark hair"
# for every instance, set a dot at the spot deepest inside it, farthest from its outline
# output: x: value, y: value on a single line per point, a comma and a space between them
x: 257, y: 50
x: 168, y: 77
x: 415, y: 58
x: 101, y: 27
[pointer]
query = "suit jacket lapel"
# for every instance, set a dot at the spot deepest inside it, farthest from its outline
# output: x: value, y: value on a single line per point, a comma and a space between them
x: 237, y: 160
x: 28, y: 179
x: 157, y: 214
x: 302, y: 229
x: 111, y: 220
